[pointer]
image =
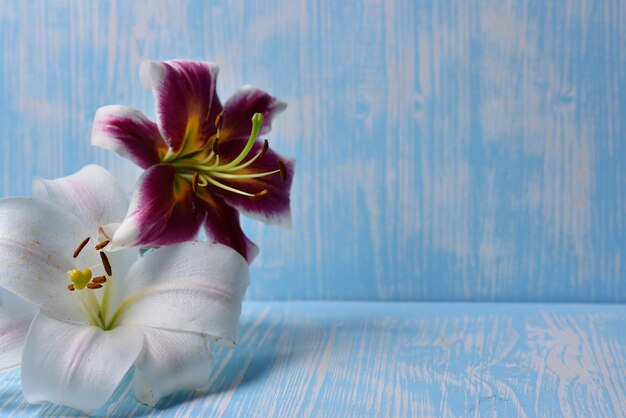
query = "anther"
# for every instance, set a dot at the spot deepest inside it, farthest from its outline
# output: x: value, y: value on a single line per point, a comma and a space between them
x: 283, y: 170
x: 71, y: 287
x: 219, y: 120
x: 194, y: 181
x: 259, y: 194
x: 105, y: 263
x: 215, y: 147
x: 99, y: 279
x: 80, y: 247
x: 93, y: 286
x: 103, y: 244
x: 266, y: 145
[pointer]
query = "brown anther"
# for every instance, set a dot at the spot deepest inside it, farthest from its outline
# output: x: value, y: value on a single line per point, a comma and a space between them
x: 99, y: 279
x: 219, y: 120
x: 105, y: 263
x: 80, y: 247
x: 266, y: 145
x: 70, y: 287
x: 259, y: 194
x: 194, y: 181
x: 215, y: 146
x: 283, y: 170
x: 103, y: 244
x: 93, y: 286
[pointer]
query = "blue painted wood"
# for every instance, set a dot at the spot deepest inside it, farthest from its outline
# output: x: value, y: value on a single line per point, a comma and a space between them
x: 332, y: 359
x: 446, y: 151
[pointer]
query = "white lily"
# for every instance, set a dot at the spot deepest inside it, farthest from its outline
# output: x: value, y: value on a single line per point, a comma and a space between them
x: 160, y: 313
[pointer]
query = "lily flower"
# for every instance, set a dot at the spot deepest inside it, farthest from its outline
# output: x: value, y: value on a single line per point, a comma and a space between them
x: 103, y: 314
x: 204, y: 162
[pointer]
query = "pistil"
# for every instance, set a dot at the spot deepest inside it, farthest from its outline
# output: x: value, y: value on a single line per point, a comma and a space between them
x: 83, y: 282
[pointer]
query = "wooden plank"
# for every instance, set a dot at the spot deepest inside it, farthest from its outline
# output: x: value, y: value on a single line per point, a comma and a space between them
x: 320, y: 359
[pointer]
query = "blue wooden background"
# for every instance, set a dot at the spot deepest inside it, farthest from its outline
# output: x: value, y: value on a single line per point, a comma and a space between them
x: 445, y: 150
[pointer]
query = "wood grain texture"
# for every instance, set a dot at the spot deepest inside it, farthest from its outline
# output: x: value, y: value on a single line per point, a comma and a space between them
x: 329, y: 359
x: 445, y: 150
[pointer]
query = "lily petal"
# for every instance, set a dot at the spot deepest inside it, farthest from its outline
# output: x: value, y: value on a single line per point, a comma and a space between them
x: 194, y: 287
x: 186, y: 101
x: 240, y: 107
x: 74, y: 365
x: 169, y: 362
x: 162, y: 211
x: 91, y: 194
x: 129, y: 133
x: 222, y: 224
x: 15, y: 318
x: 34, y: 256
x: 274, y: 207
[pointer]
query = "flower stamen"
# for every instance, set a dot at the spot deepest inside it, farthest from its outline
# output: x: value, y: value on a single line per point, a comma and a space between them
x: 71, y: 287
x: 93, y: 286
x: 194, y: 181
x: 102, y: 244
x: 106, y: 264
x: 283, y: 170
x: 227, y: 188
x: 80, y: 247
x: 260, y: 194
x: 219, y: 120
x: 99, y: 279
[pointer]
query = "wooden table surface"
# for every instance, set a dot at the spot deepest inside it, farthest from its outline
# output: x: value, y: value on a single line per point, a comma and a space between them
x: 325, y: 359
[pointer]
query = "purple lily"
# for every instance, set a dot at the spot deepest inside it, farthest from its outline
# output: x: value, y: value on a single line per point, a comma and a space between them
x: 204, y: 162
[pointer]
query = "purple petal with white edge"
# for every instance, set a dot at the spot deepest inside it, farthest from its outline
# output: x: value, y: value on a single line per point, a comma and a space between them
x: 129, y: 133
x: 163, y: 211
x: 15, y: 318
x: 238, y: 111
x: 186, y: 101
x: 194, y: 286
x: 169, y: 362
x: 91, y: 194
x: 37, y: 239
x: 272, y: 208
x: 75, y: 365
x: 222, y: 225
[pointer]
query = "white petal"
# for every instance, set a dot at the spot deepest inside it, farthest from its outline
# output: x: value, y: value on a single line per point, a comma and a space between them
x: 37, y: 240
x: 169, y: 362
x: 76, y: 366
x: 195, y: 286
x: 91, y: 194
x: 15, y: 318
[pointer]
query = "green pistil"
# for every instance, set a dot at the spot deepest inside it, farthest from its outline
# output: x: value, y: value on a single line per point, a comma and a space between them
x: 257, y: 121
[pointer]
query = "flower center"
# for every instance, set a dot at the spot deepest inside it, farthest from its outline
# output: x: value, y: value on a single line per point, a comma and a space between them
x: 204, y: 167
x: 82, y: 280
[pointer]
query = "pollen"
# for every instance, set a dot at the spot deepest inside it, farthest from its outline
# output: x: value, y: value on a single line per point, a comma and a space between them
x: 99, y: 279
x: 80, y: 247
x: 103, y: 244
x: 93, y: 286
x: 194, y: 181
x: 219, y: 120
x: 283, y: 170
x: 266, y: 145
x: 105, y: 263
x: 260, y: 194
